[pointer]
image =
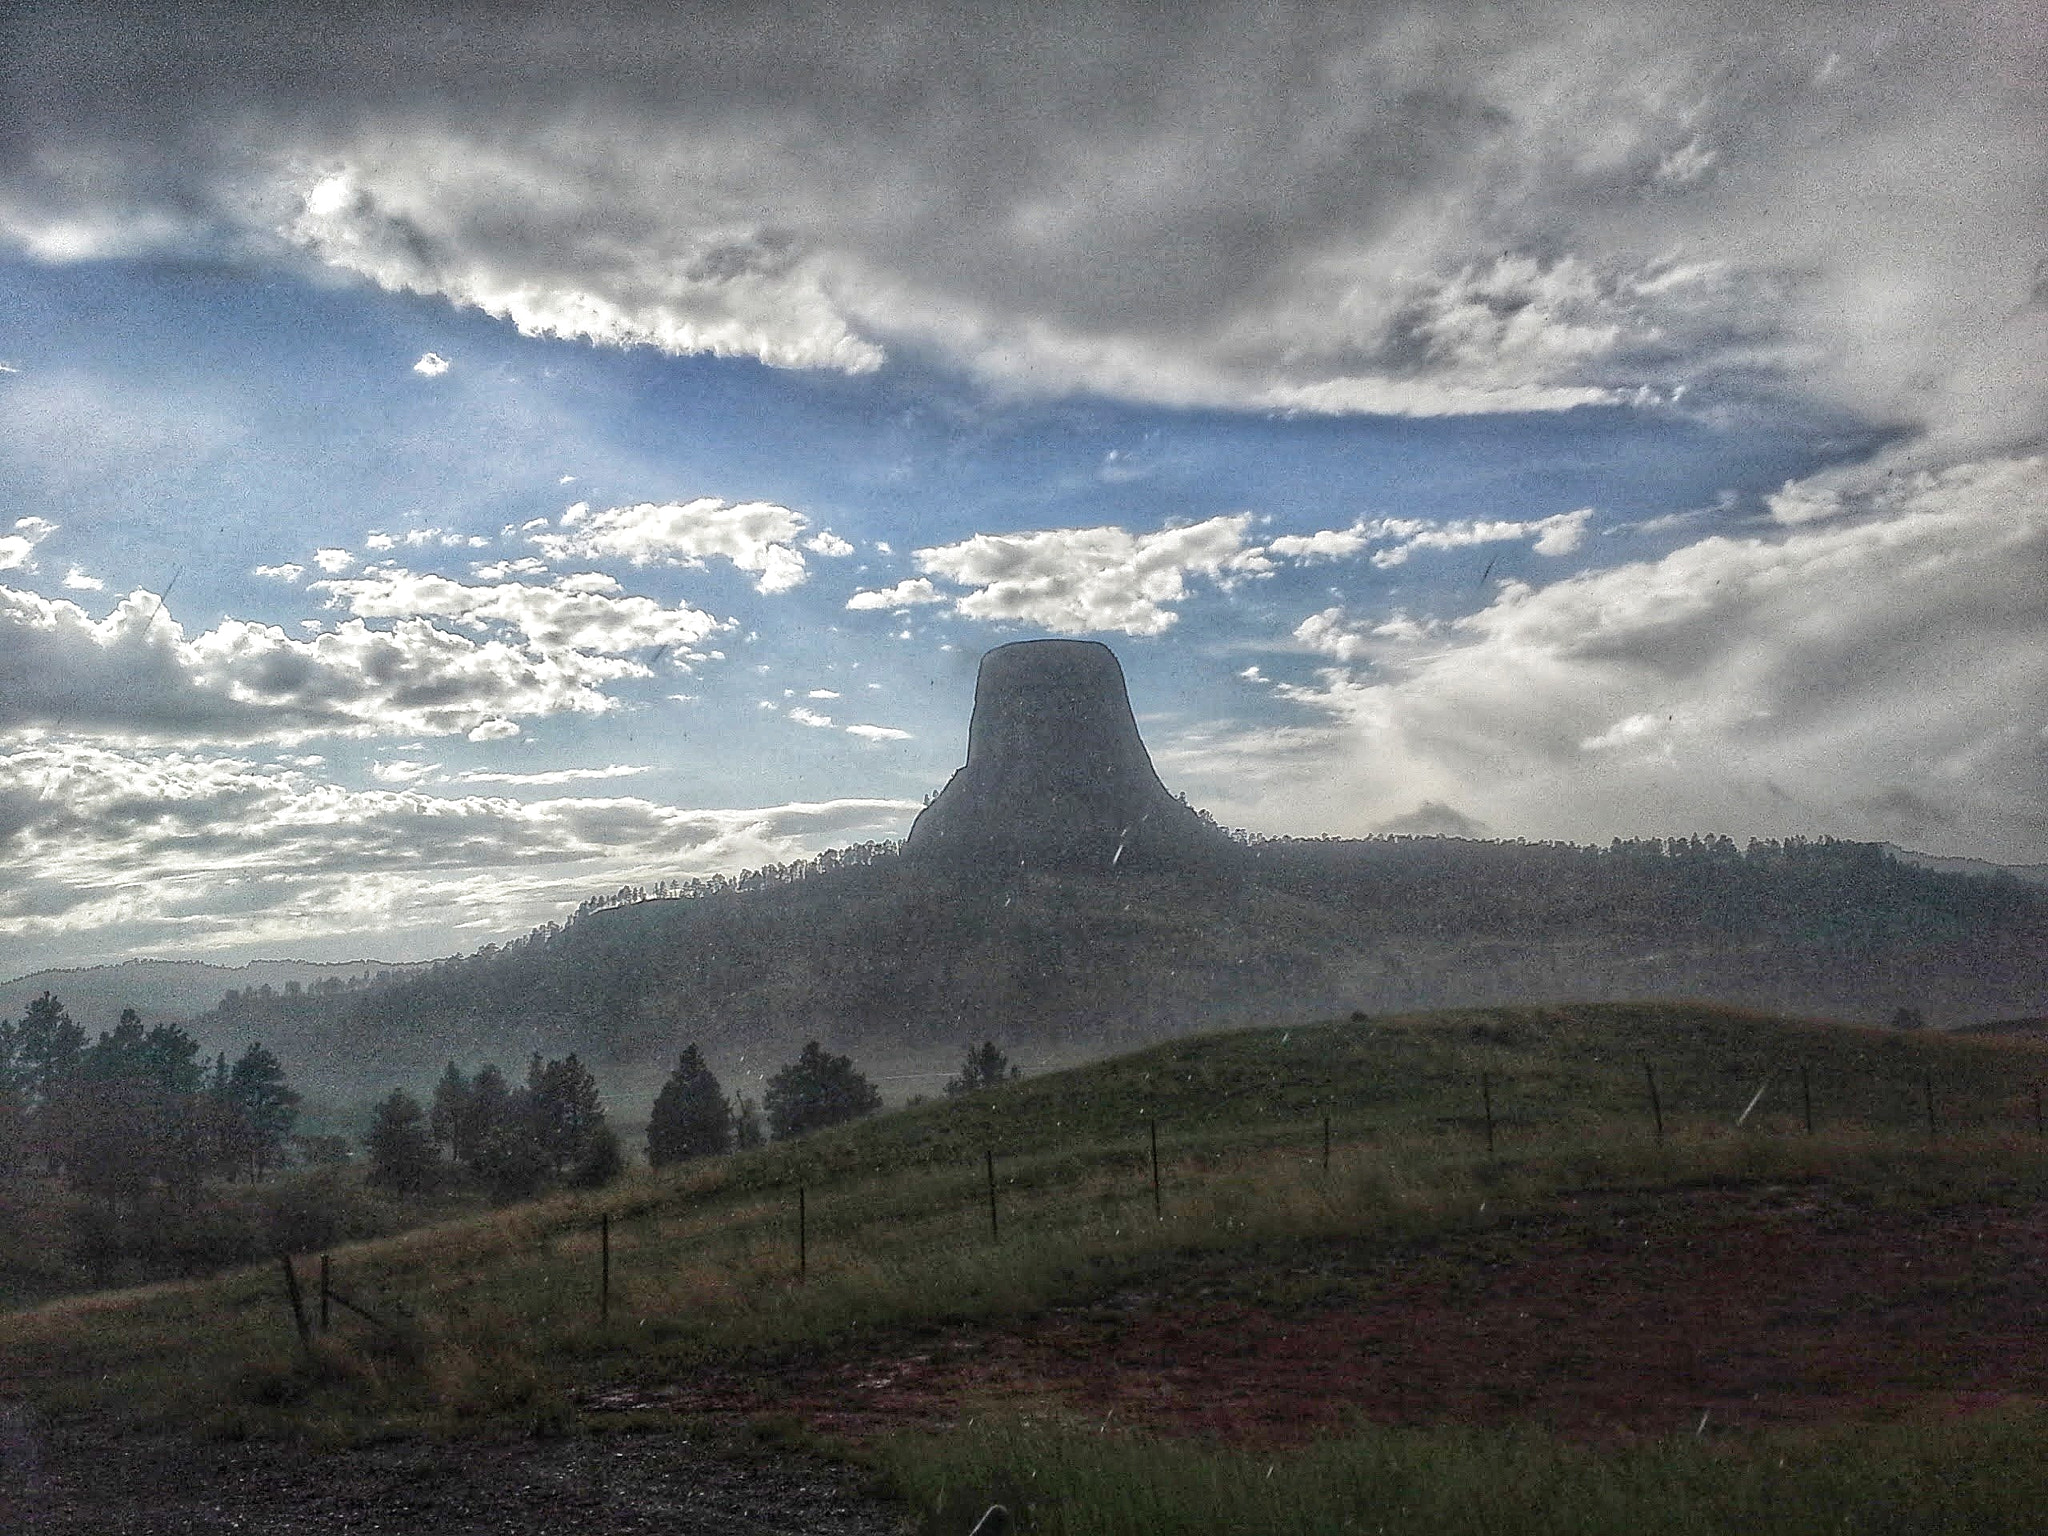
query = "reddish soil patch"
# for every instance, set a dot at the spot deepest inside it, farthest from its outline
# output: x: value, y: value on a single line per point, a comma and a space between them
x: 1616, y: 1318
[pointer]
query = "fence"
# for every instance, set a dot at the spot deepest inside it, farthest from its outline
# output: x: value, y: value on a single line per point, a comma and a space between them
x: 329, y: 1297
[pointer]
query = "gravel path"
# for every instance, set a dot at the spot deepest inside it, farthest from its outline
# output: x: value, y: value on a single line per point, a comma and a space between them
x: 75, y: 1479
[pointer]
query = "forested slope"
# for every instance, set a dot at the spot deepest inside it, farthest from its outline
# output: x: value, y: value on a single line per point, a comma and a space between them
x: 873, y: 952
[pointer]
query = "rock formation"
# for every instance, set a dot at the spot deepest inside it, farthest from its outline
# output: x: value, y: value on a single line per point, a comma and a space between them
x: 1056, y: 775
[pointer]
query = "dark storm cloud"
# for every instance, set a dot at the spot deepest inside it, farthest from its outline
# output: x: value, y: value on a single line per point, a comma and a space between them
x: 1329, y: 208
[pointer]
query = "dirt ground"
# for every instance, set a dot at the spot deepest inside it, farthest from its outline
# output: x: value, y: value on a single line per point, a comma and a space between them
x: 76, y: 1480
x: 1619, y: 1318
x: 1609, y: 1322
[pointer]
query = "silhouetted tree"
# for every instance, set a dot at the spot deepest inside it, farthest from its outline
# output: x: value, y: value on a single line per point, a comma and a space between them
x: 265, y: 1108
x: 509, y: 1159
x: 691, y: 1117
x: 490, y: 1107
x: 449, y: 1120
x: 402, y: 1155
x: 817, y: 1090
x: 601, y: 1160
x: 985, y: 1067
x: 564, y: 1107
x: 47, y: 1048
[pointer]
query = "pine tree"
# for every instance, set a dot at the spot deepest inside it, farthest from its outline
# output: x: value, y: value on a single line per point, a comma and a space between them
x: 691, y: 1117
x: 985, y: 1067
x: 817, y: 1090
x: 47, y: 1048
x: 402, y: 1154
x: 265, y: 1107
x: 490, y: 1110
x: 449, y: 1120
x: 563, y: 1107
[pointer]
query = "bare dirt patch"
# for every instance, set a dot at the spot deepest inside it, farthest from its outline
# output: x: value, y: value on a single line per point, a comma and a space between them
x: 84, y: 1480
x: 1619, y: 1317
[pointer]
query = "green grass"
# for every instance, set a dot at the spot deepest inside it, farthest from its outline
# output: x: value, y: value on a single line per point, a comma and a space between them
x: 497, y: 1315
x: 1920, y: 1479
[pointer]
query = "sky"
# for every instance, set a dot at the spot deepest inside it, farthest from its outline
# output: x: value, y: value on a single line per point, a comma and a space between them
x: 454, y: 461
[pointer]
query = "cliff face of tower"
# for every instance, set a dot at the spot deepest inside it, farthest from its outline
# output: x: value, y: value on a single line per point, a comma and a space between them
x: 1056, y: 775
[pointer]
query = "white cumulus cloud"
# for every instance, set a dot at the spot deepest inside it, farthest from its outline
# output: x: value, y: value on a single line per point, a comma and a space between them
x: 1091, y: 580
x: 18, y: 546
x: 577, y: 613
x: 910, y: 593
x: 1559, y: 534
x: 135, y: 675
x: 756, y: 536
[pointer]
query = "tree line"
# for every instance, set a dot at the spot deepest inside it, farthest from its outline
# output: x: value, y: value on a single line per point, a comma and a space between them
x: 137, y: 1112
x: 693, y: 1118
x: 509, y: 1141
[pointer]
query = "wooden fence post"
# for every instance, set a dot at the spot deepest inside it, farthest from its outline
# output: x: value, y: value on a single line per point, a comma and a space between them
x: 1806, y: 1096
x: 604, y: 1273
x: 989, y: 1158
x: 1326, y: 1143
x: 1927, y: 1087
x: 2040, y: 1128
x: 1158, y: 1211
x: 325, y: 1291
x: 802, y: 1236
x: 1486, y: 1096
x: 298, y: 1304
x: 1656, y: 1104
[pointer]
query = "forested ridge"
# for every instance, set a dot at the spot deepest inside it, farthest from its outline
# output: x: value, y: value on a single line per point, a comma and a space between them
x: 866, y: 947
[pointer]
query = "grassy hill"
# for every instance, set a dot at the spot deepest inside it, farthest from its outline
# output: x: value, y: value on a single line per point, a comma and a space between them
x: 496, y: 1322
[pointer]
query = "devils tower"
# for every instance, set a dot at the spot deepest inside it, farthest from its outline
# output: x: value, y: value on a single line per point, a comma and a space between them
x: 1056, y: 775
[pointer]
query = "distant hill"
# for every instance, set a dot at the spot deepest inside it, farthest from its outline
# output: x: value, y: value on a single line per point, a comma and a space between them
x: 904, y: 964
x: 171, y: 991
x: 2032, y: 874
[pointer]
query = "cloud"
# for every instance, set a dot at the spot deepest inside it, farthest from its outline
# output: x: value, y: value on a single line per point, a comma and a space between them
x: 1327, y: 634
x: 1827, y: 677
x: 827, y: 543
x: 877, y: 733
x: 909, y: 593
x: 810, y: 717
x: 551, y: 776
x: 574, y: 614
x: 76, y: 580
x: 1091, y: 580
x: 18, y: 546
x: 287, y: 572
x: 135, y: 676
x: 1560, y: 534
x: 432, y: 365
x: 736, y: 287
x: 494, y: 730
x: 756, y: 536
x: 202, y: 854
x: 498, y: 570
x: 1328, y: 208
x: 402, y: 771
x: 333, y: 561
